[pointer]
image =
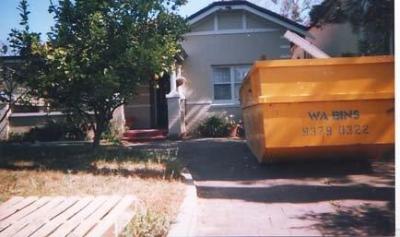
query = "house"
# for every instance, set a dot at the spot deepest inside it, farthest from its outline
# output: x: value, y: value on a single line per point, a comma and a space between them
x: 226, y: 37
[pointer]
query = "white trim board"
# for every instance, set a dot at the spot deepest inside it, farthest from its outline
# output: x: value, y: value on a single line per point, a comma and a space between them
x: 35, y: 114
x: 226, y: 32
x: 199, y: 102
x: 213, y: 104
x: 226, y: 105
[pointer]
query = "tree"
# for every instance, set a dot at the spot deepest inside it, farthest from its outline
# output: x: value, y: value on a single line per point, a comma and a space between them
x: 99, y: 51
x: 7, y: 90
x: 296, y: 10
x: 21, y: 41
x: 372, y: 19
x: 13, y: 88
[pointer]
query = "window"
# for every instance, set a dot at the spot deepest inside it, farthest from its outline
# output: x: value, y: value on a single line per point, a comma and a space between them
x: 227, y: 81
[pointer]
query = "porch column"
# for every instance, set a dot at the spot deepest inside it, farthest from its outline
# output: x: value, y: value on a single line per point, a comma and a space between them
x: 172, y: 81
x: 118, y: 121
x: 176, y: 108
x: 180, y: 80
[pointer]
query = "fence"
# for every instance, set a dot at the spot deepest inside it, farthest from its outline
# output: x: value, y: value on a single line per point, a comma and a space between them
x: 4, y: 125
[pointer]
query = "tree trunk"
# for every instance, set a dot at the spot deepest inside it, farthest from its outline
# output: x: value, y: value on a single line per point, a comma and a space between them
x: 98, y: 130
x: 102, y: 122
x: 97, y: 138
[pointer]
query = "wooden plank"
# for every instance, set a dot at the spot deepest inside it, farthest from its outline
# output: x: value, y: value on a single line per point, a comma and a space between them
x: 93, y: 219
x: 36, y: 219
x: 118, y: 217
x: 9, y: 203
x: 59, y: 216
x: 304, y: 44
x: 40, y: 210
x: 7, y: 223
x: 123, y: 220
x: 58, y: 220
x: 74, y: 221
x: 15, y: 208
x: 18, y: 225
x: 27, y: 210
x: 41, y: 221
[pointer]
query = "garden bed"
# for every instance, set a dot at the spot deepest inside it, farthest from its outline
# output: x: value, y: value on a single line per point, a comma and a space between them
x: 152, y: 175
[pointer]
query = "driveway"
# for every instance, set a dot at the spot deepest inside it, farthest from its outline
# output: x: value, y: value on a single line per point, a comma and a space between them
x: 239, y: 197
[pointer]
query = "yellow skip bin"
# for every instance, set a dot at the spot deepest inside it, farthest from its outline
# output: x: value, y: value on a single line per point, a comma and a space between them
x: 319, y: 107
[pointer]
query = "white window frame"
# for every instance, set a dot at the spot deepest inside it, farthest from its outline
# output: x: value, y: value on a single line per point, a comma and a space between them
x: 233, y: 100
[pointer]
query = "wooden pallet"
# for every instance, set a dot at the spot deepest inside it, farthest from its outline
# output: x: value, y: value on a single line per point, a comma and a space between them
x: 66, y: 216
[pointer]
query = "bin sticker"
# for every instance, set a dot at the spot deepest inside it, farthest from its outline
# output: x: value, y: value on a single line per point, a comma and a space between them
x: 335, y: 115
x: 353, y: 129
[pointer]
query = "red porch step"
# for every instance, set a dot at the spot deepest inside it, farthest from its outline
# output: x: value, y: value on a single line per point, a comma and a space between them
x: 145, y: 135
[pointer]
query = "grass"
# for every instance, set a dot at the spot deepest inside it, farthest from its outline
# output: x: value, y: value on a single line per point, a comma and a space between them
x: 149, y: 174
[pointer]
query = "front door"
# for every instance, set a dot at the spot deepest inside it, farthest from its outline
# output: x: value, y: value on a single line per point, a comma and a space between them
x: 159, y: 106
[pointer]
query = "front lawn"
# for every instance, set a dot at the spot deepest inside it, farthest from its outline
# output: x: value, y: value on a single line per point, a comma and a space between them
x: 151, y: 174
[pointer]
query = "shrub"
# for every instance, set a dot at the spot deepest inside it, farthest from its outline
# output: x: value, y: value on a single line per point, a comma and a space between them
x: 147, y: 223
x: 173, y: 169
x: 16, y: 137
x: 55, y: 131
x: 240, y: 130
x: 215, y: 126
x: 111, y: 135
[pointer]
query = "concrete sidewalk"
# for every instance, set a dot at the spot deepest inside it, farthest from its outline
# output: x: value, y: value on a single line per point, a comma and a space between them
x: 239, y: 197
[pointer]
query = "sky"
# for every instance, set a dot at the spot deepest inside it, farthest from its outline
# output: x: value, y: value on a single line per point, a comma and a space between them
x: 41, y: 21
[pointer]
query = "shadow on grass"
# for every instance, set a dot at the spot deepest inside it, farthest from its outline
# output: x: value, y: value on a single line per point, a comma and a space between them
x: 106, y: 160
x: 364, y: 220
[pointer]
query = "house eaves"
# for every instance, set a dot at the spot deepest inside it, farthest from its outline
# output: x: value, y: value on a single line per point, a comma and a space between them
x: 250, y: 7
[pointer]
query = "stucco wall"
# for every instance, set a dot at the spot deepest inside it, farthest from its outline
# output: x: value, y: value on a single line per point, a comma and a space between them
x: 138, y: 110
x: 206, y: 51
x: 224, y: 38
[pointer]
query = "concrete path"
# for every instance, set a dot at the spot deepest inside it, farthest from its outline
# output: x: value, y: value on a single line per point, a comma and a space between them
x: 239, y: 197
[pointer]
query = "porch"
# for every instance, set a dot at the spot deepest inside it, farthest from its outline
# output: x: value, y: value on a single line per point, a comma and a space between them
x: 158, y: 109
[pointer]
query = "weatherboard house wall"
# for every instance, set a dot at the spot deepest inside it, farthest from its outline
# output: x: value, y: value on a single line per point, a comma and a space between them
x: 229, y: 34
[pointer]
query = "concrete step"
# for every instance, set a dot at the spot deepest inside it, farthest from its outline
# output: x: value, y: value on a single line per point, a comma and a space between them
x: 145, y: 135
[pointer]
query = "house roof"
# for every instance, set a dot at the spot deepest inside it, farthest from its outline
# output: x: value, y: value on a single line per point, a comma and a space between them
x: 245, y: 5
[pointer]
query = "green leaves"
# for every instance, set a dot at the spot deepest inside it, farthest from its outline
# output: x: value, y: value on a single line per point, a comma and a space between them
x: 373, y: 20
x: 99, y: 51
